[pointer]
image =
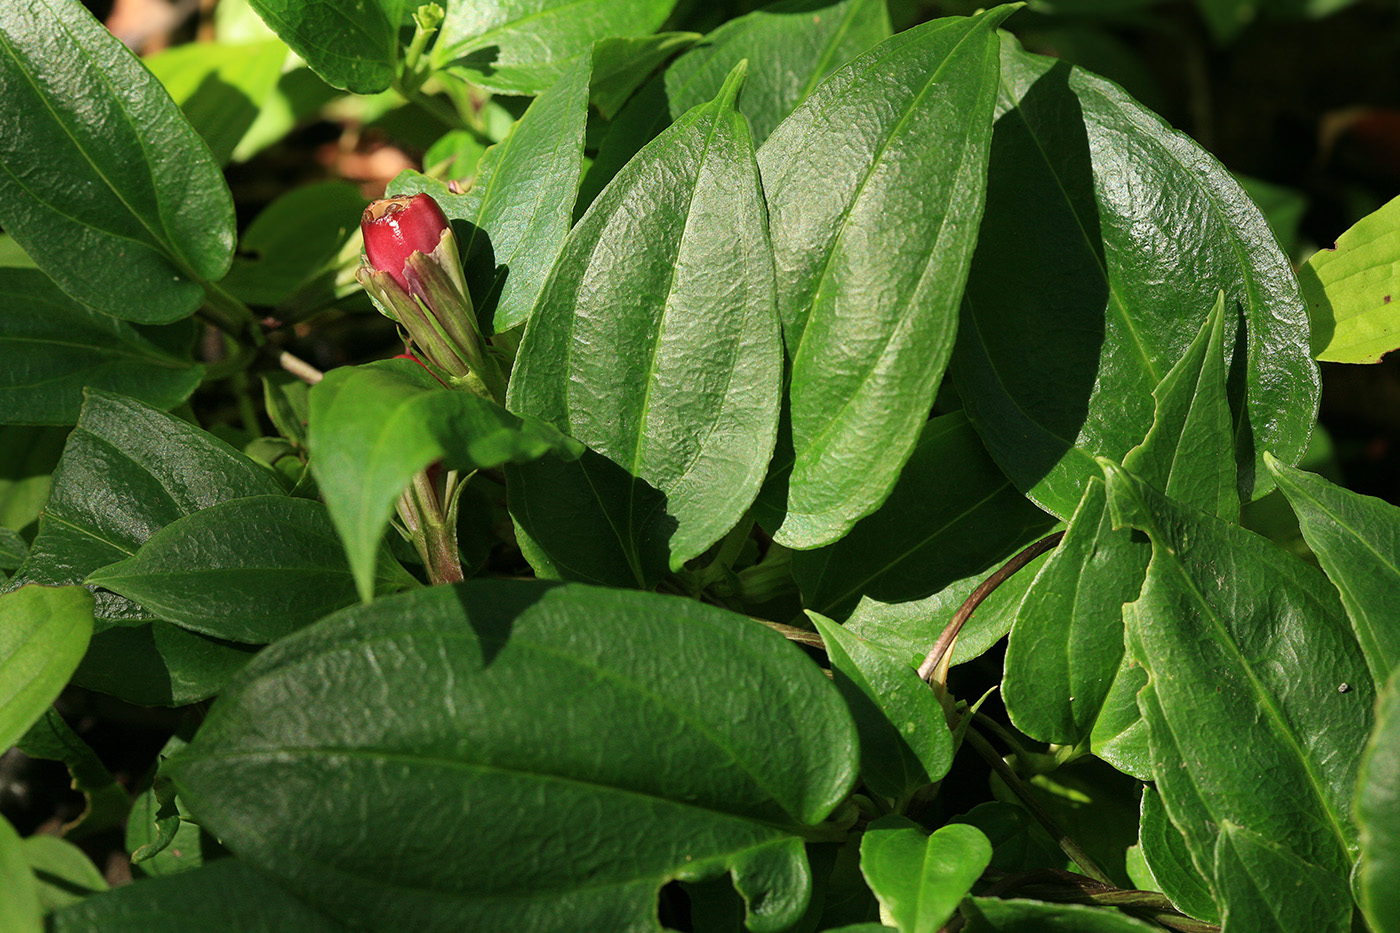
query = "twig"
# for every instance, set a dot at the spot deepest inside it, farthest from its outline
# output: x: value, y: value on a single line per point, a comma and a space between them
x: 300, y: 368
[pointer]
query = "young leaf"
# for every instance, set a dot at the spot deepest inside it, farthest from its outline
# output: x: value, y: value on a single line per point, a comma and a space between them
x: 223, y: 895
x: 220, y: 86
x: 1223, y: 626
x: 246, y: 570
x: 525, y: 46
x: 920, y: 879
x: 656, y: 343
x: 351, y: 44
x: 1357, y: 540
x: 63, y: 872
x: 905, y: 742
x: 1065, y: 652
x: 518, y: 210
x: 51, y: 348
x: 951, y: 514
x: 20, y: 910
x: 1265, y: 888
x: 103, y: 181
x: 1053, y: 375
x: 373, y: 427
x: 1377, y: 809
x: 43, y: 634
x: 619, y: 770
x: 997, y: 915
x: 107, y: 803
x: 790, y: 46
x: 1169, y: 861
x: 874, y: 186
x: 1350, y: 289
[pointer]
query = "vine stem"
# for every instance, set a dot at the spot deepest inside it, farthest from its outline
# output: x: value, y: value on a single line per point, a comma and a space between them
x: 1013, y: 781
x: 943, y: 648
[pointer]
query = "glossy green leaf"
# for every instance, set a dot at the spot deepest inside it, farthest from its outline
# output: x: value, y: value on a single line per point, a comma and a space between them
x: 288, y: 257
x: 220, y: 86
x: 1224, y: 625
x: 995, y: 915
x: 905, y: 742
x: 1065, y: 652
x: 1377, y: 809
x: 246, y: 570
x: 518, y: 211
x: 373, y: 427
x: 63, y: 873
x: 1019, y: 843
x: 790, y: 46
x: 43, y: 633
x: 621, y: 65
x: 222, y: 896
x: 127, y: 471
x: 1053, y: 375
x: 351, y: 44
x: 656, y: 343
x: 524, y: 46
x: 51, y: 348
x: 620, y: 770
x: 1169, y: 861
x: 920, y: 879
x: 1357, y: 540
x: 1350, y: 288
x: 20, y: 910
x: 874, y: 188
x: 914, y: 626
x: 1265, y: 888
x: 951, y: 514
x: 102, y: 180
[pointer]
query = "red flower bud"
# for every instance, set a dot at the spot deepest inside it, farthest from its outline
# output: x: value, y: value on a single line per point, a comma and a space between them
x: 396, y: 228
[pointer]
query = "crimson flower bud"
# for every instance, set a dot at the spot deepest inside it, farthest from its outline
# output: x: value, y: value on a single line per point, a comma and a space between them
x: 396, y: 228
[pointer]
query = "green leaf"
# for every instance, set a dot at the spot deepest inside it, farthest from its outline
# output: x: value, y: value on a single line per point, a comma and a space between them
x: 1357, y: 540
x: 159, y: 664
x: 373, y: 427
x: 1349, y: 290
x: 1265, y: 888
x: 656, y: 343
x: 107, y: 802
x: 63, y: 873
x: 620, y: 65
x: 524, y: 46
x: 102, y: 180
x: 518, y: 211
x: 920, y: 879
x: 1223, y: 626
x: 1377, y: 809
x: 13, y: 549
x: 874, y: 188
x: 51, y: 348
x: 28, y: 456
x: 791, y: 46
x: 20, y: 909
x: 1169, y: 861
x: 43, y: 633
x: 620, y: 769
x: 951, y: 514
x: 905, y: 742
x: 247, y: 570
x: 1065, y: 653
x: 1226, y: 19
x: 351, y: 44
x: 995, y: 915
x: 289, y: 257
x: 1054, y: 375
x: 914, y: 626
x: 220, y: 86
x: 222, y: 896
x: 288, y: 403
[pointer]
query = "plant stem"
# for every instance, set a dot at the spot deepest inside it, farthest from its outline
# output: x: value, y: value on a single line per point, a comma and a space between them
x: 1023, y: 793
x: 229, y: 314
x: 943, y: 648
x: 300, y: 368
x: 433, y: 535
